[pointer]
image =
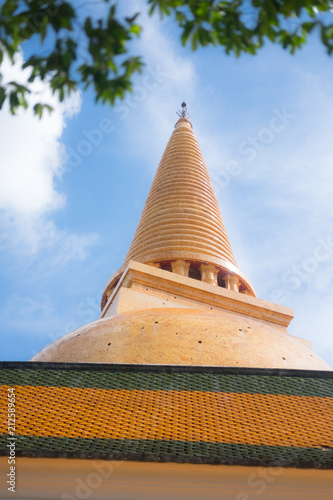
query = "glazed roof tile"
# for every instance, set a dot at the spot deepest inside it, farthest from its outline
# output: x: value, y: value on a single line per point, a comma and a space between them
x: 171, y: 413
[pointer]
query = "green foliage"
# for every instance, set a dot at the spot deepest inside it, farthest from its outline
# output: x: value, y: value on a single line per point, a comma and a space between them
x: 93, y: 52
x: 244, y: 25
x: 76, y: 52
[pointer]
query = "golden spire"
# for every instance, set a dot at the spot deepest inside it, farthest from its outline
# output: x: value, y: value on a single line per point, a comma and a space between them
x: 181, y: 227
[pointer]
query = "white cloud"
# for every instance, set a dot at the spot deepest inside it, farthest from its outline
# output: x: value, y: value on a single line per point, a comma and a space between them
x: 28, y: 234
x: 157, y: 97
x: 28, y: 314
x: 31, y: 162
x: 286, y: 192
x: 31, y: 154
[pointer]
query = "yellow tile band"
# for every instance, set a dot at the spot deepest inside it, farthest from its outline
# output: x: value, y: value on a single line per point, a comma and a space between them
x: 256, y: 419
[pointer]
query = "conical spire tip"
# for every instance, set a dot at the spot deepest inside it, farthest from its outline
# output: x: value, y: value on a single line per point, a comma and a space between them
x: 183, y: 115
x: 183, y: 112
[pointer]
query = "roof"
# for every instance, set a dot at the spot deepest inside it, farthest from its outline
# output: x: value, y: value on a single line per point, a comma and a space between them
x: 236, y: 416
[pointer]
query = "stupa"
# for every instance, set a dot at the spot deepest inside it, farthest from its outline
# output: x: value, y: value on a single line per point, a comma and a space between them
x: 180, y: 297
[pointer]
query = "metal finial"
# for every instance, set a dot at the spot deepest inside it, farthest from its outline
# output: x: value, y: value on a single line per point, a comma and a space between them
x: 183, y: 112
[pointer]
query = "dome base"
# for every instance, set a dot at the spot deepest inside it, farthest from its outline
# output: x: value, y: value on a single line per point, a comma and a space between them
x: 184, y: 337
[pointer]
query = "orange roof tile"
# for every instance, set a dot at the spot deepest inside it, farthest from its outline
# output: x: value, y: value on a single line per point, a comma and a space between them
x: 244, y: 416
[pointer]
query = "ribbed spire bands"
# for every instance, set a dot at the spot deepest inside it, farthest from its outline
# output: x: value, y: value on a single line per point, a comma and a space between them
x: 181, y: 219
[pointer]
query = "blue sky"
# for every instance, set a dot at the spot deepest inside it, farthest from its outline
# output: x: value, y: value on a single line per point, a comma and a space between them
x: 72, y: 187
